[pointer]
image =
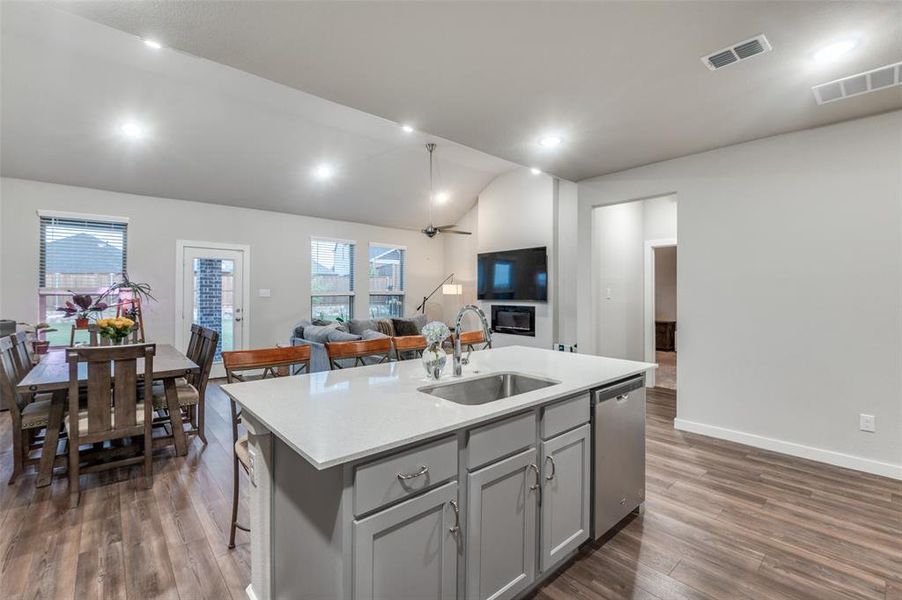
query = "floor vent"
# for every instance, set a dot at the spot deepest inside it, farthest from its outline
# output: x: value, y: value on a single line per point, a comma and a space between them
x: 858, y: 84
x: 737, y: 52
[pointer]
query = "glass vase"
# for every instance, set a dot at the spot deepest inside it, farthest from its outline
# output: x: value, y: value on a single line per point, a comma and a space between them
x: 434, y: 359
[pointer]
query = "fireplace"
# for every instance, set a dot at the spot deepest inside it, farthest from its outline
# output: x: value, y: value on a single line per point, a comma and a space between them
x: 514, y: 320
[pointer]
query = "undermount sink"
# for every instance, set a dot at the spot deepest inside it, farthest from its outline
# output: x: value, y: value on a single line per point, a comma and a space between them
x: 487, y: 388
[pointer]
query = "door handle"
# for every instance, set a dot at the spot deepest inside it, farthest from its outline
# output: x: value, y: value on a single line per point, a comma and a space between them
x: 536, y: 469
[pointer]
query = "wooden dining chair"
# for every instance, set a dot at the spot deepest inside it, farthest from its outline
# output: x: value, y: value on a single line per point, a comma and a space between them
x: 377, y: 351
x: 113, y: 410
x: 267, y: 362
x: 22, y: 351
x: 408, y: 346
x: 192, y: 389
x: 29, y: 413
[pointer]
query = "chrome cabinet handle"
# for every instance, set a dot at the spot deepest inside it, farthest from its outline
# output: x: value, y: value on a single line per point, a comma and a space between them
x: 405, y: 476
x: 456, y: 510
x: 536, y: 469
x: 553, y: 468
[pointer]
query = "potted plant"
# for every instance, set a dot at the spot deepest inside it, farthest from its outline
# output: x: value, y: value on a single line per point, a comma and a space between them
x: 115, y: 329
x: 38, y: 343
x: 127, y: 291
x: 82, y: 306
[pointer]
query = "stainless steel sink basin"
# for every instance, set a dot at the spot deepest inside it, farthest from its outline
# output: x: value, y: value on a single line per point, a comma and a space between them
x: 487, y: 388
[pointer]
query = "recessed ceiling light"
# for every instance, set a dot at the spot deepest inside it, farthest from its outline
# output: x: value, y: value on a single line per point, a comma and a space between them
x: 132, y: 130
x: 834, y: 50
x: 551, y: 141
x: 153, y: 44
x: 442, y: 197
x: 535, y: 171
x: 323, y: 171
x: 407, y: 128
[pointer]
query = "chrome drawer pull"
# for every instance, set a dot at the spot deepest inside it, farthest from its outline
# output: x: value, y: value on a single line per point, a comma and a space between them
x: 405, y: 476
x: 456, y: 510
x: 553, y: 468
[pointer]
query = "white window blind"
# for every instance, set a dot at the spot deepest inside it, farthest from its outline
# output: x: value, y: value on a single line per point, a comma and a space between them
x: 387, y: 272
x: 331, y: 278
x: 81, y: 254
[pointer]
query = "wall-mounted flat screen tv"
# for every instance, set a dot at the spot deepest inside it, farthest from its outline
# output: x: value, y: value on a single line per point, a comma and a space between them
x: 513, y: 275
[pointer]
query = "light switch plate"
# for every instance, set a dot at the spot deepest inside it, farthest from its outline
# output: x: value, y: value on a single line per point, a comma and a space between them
x: 264, y: 293
x: 867, y: 423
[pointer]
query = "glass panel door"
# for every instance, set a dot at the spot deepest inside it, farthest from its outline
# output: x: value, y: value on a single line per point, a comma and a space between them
x: 212, y: 289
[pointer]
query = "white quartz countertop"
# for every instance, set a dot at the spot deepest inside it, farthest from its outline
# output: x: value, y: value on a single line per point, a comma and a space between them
x: 340, y: 416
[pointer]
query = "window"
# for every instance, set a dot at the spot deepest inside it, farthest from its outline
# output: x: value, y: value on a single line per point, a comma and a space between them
x: 386, y: 281
x: 83, y: 254
x: 331, y: 279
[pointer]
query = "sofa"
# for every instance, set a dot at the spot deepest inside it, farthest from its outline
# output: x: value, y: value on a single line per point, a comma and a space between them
x: 317, y: 332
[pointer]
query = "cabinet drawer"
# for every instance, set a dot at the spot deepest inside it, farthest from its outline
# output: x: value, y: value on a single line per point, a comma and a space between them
x: 500, y: 439
x: 404, y: 474
x: 564, y: 416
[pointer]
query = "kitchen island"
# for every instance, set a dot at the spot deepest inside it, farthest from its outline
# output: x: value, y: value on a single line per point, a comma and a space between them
x: 374, y: 482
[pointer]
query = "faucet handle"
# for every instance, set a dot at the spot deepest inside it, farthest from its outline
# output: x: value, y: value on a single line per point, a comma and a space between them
x: 466, y: 359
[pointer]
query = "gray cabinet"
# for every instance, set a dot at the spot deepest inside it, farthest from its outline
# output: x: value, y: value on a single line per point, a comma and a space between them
x: 409, y: 550
x: 566, y: 484
x: 501, y: 527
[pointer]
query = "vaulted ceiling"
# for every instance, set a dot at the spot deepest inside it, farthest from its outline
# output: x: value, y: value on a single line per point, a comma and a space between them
x: 212, y: 133
x: 246, y: 98
x: 621, y: 82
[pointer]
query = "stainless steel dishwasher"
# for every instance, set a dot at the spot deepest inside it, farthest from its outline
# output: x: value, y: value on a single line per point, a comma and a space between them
x: 618, y: 413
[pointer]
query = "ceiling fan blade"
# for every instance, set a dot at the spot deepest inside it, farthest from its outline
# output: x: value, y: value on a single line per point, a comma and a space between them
x: 456, y: 231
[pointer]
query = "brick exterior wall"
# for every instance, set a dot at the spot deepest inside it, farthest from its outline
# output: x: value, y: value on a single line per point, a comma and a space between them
x: 208, y: 294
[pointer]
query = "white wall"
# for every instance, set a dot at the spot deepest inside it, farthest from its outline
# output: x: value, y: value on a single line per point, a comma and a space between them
x: 790, y: 288
x: 516, y: 210
x: 619, y: 233
x: 280, y: 252
x: 566, y: 249
x: 665, y: 283
x: 460, y: 259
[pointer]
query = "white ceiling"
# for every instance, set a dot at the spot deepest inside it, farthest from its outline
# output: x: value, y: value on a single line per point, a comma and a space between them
x: 214, y: 133
x: 621, y: 81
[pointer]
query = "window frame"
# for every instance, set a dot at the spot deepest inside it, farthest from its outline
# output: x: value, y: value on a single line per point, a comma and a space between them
x: 400, y: 294
x: 46, y: 292
x: 351, y: 293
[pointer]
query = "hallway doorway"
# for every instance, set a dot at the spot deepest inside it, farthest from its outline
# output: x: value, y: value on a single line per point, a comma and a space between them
x: 665, y: 314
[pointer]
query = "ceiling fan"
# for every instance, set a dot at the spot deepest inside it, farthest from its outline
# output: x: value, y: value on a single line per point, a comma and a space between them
x: 431, y: 229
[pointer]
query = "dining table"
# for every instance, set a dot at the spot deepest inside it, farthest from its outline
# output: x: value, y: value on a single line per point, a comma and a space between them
x: 51, y: 375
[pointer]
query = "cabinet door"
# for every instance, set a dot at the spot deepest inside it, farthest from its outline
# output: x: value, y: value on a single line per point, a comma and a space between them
x: 409, y: 550
x: 565, y: 494
x: 501, y: 527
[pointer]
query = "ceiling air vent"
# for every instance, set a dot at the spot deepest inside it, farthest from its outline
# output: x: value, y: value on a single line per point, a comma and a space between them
x: 858, y: 84
x: 737, y: 52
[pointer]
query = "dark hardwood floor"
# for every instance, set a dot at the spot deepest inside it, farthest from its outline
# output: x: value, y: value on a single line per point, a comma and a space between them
x: 722, y: 521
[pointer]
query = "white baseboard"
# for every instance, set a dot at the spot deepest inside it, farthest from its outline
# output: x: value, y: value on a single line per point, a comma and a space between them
x: 875, y: 467
x: 249, y: 590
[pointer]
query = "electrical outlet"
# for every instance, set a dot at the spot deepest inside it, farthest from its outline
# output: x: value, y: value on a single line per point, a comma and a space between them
x: 867, y: 423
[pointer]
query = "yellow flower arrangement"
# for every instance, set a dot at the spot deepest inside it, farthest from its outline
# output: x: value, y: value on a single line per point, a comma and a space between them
x: 116, y: 328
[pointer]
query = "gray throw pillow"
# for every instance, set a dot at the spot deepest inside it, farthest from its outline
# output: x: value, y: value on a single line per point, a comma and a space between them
x: 337, y: 335
x: 358, y: 326
x: 372, y: 334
